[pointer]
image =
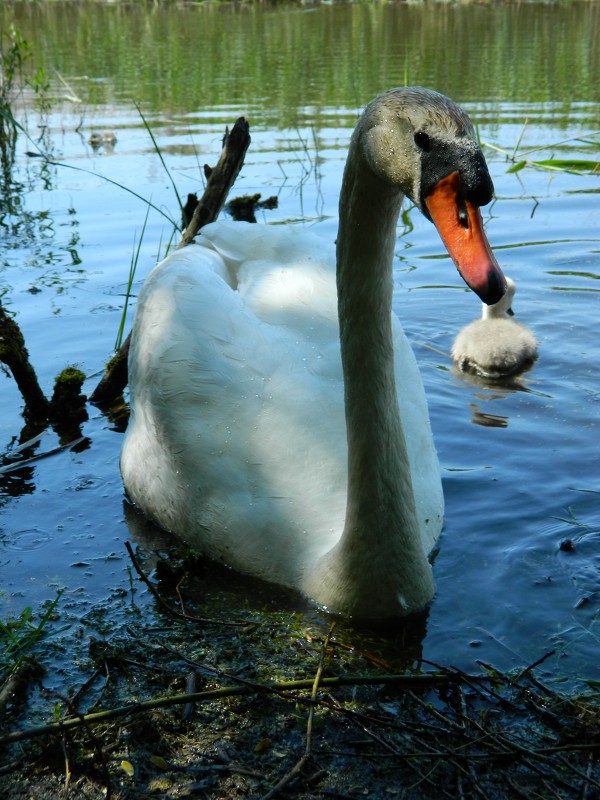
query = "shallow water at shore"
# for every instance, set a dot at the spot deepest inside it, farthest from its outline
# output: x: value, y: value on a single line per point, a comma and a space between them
x: 520, y: 462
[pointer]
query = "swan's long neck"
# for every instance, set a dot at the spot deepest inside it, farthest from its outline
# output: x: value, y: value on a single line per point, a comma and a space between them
x: 380, y: 551
x: 365, y: 248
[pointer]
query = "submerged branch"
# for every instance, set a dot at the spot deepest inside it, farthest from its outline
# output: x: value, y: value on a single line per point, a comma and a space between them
x: 66, y: 409
x: 14, y: 354
x: 220, y: 179
x: 178, y: 614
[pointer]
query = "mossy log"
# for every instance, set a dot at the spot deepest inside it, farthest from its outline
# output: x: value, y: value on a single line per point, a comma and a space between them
x: 67, y: 405
x: 14, y: 354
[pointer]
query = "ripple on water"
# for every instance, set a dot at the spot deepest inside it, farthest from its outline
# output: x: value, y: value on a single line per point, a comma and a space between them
x: 25, y: 540
x: 83, y: 482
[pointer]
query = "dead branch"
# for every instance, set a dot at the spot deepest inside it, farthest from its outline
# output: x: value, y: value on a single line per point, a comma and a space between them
x: 220, y: 179
x: 180, y: 615
x: 401, y: 680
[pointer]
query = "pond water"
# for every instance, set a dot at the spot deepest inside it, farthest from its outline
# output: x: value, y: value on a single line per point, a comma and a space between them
x: 520, y: 461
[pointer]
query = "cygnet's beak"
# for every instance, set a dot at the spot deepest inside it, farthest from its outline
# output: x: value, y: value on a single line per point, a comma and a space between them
x: 460, y: 225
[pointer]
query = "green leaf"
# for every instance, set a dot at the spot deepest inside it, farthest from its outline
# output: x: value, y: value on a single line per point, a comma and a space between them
x: 517, y: 167
x: 569, y: 164
x: 128, y: 768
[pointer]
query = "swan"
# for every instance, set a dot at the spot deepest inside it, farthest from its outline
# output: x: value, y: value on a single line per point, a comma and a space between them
x: 496, y: 345
x: 276, y: 440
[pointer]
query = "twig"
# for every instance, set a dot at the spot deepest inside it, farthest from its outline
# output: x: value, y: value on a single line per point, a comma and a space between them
x: 94, y: 741
x: 531, y: 667
x: 585, y: 776
x: 27, y: 461
x: 191, y: 685
x: 86, y: 685
x: 301, y: 763
x: 167, y: 607
x: 393, y: 752
x: 586, y: 782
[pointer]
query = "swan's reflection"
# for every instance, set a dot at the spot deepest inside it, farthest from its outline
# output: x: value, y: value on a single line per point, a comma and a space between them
x: 486, y: 420
x: 218, y: 592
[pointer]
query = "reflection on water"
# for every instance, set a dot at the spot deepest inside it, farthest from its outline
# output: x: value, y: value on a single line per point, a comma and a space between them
x: 480, y: 417
x: 490, y: 390
x: 543, y: 57
x: 518, y: 482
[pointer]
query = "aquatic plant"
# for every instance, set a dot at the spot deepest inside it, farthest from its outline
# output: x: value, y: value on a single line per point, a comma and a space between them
x: 14, y: 50
x: 522, y: 158
x: 18, y: 638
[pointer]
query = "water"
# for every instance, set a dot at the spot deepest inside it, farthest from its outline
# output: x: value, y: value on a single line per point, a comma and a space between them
x: 520, y: 462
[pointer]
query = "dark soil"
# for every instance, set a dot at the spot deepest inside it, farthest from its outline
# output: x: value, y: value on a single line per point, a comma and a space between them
x: 354, y: 727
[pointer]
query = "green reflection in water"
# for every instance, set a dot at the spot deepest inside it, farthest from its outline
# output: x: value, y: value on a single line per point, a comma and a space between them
x: 273, y: 61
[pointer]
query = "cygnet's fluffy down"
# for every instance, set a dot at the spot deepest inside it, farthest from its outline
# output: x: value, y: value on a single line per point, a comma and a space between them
x: 496, y: 345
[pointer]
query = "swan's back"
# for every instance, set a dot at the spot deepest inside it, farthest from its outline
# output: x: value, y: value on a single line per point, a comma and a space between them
x: 238, y: 403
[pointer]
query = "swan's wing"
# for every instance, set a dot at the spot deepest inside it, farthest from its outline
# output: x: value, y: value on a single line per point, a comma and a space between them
x: 422, y: 455
x: 249, y: 411
x: 237, y: 388
x: 284, y: 274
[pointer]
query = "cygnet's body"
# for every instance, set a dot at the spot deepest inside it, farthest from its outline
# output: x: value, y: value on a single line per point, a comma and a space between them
x: 496, y: 345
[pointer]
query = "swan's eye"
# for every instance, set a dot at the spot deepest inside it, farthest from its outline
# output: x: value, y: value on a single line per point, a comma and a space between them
x: 422, y: 140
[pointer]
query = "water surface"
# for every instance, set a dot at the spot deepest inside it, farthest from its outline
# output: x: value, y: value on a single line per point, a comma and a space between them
x: 520, y: 462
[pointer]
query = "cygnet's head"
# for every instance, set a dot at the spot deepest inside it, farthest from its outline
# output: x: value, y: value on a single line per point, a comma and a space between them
x: 503, y: 308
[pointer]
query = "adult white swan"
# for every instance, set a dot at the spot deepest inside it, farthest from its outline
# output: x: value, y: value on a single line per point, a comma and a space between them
x: 496, y: 345
x: 257, y: 439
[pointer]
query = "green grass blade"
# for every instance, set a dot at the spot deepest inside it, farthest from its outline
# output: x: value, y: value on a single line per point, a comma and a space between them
x: 159, y: 154
x: 517, y: 167
x: 132, y: 270
x: 115, y: 183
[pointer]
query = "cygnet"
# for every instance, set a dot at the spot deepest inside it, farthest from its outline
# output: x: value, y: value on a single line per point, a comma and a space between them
x: 496, y: 345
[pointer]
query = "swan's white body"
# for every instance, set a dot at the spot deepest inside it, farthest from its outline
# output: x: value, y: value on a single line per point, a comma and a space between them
x: 496, y: 345
x: 253, y: 436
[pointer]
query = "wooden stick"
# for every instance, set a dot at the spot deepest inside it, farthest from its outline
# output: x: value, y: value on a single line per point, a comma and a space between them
x: 427, y: 680
x: 301, y: 763
x: 220, y: 179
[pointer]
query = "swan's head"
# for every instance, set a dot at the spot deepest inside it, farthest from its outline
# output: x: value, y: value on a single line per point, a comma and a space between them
x: 424, y: 144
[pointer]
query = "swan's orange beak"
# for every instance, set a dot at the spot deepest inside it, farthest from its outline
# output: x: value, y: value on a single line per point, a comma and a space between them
x: 460, y: 225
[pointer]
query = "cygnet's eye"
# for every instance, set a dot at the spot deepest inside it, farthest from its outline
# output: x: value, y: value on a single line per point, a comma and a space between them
x: 422, y: 140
